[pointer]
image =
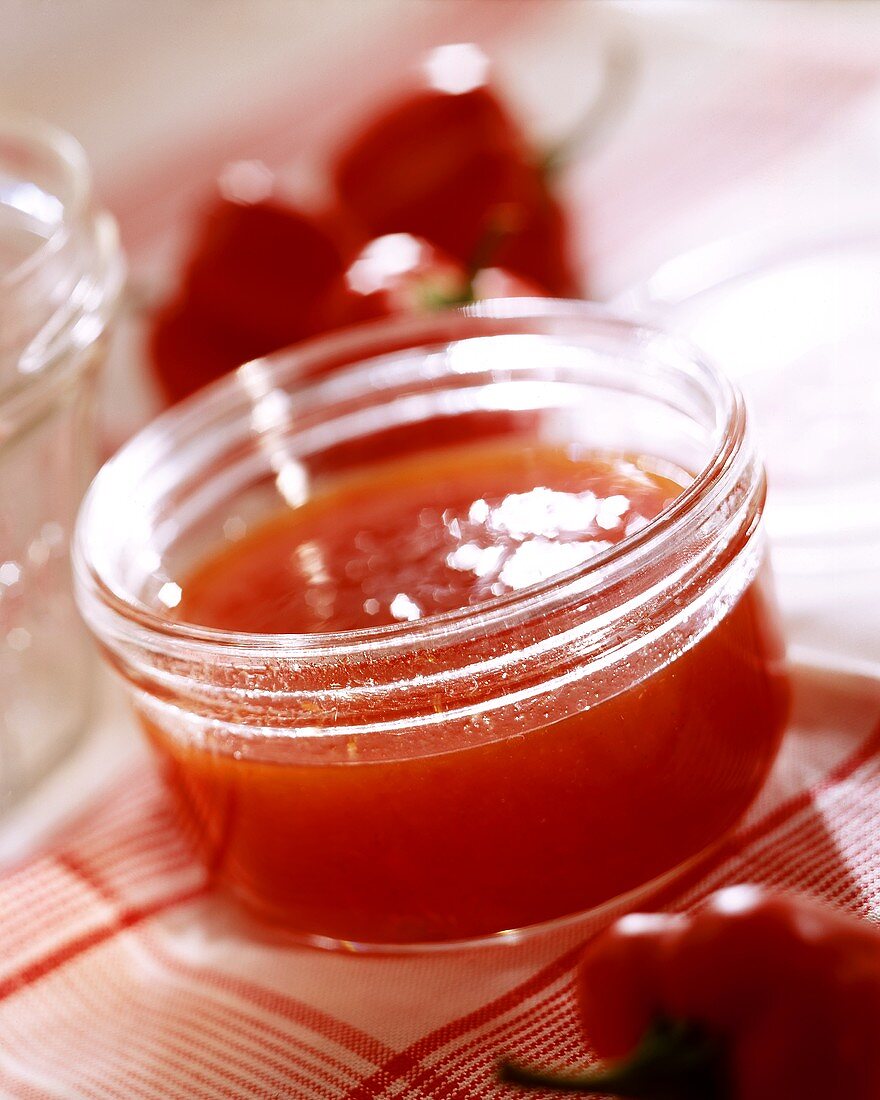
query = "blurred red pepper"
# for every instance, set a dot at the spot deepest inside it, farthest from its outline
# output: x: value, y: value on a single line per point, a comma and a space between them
x: 394, y: 273
x: 756, y: 997
x: 402, y: 273
x: 539, y: 250
x: 192, y: 342
x: 445, y: 167
x: 189, y: 349
x: 261, y: 266
x: 438, y: 162
x: 256, y: 271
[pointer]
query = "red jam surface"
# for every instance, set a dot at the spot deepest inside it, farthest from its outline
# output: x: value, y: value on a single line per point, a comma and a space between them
x: 490, y: 836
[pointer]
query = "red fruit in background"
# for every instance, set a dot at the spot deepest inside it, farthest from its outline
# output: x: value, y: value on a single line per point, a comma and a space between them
x: 446, y: 165
x: 257, y: 270
x: 259, y: 262
x: 538, y: 250
x: 439, y: 162
x: 403, y: 273
x: 189, y: 349
x: 391, y: 274
x: 429, y: 143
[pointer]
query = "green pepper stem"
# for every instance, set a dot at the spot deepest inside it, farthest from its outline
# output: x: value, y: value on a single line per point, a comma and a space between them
x: 503, y: 221
x: 620, y: 66
x: 674, y: 1061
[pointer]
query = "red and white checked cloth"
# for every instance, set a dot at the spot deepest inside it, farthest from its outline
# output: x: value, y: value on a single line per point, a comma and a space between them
x: 121, y: 976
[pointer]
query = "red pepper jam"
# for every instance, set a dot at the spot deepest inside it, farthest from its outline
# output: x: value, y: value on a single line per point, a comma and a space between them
x: 451, y: 842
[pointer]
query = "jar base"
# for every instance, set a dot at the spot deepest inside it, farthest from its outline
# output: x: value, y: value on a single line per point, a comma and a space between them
x: 254, y: 926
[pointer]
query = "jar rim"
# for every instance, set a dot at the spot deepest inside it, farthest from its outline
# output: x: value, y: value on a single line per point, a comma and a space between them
x: 212, y: 405
x: 64, y: 291
x: 76, y: 177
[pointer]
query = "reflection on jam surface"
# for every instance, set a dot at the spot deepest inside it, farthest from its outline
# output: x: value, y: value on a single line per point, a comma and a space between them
x: 451, y: 845
x: 406, y: 541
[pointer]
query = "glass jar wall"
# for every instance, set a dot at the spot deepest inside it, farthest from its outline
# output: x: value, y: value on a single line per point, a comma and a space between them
x: 60, y: 276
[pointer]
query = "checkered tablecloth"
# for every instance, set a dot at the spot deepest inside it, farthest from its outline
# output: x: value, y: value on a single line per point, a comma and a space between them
x: 121, y: 975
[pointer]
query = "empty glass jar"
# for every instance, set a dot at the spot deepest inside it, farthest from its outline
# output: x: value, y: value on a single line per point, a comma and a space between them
x: 60, y: 277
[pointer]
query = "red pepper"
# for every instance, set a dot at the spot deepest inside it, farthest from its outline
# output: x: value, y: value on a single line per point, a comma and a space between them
x: 189, y: 348
x: 192, y: 342
x: 439, y: 162
x: 261, y: 266
x: 394, y: 273
x: 539, y: 250
x: 446, y: 164
x: 756, y: 997
x: 402, y: 273
x: 256, y: 271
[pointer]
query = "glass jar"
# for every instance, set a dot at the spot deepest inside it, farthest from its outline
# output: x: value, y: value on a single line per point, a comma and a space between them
x: 493, y: 768
x: 60, y: 275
